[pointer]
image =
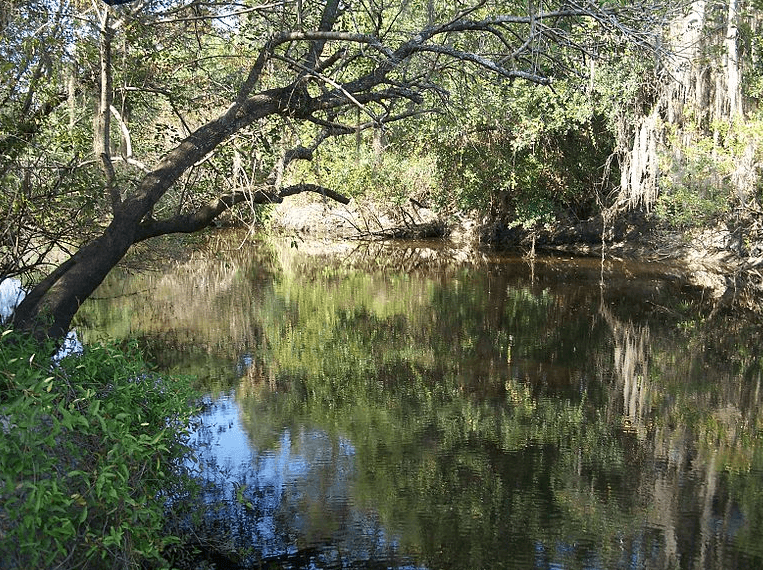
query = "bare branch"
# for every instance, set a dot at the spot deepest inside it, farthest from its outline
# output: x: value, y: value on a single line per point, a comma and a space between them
x: 201, y: 218
x: 102, y: 144
x: 338, y: 129
x: 311, y: 73
x: 298, y: 153
x: 287, y: 37
x: 487, y: 64
x: 327, y: 192
x: 328, y: 19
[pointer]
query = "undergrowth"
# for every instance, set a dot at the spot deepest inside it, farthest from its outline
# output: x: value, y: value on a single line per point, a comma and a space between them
x: 94, y: 456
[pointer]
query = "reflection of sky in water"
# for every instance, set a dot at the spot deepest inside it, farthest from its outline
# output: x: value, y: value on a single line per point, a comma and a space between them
x: 295, y: 495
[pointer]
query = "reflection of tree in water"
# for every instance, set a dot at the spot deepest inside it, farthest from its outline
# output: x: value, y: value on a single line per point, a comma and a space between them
x: 690, y: 502
x: 194, y: 317
x: 631, y: 368
x: 493, y: 418
x: 490, y: 430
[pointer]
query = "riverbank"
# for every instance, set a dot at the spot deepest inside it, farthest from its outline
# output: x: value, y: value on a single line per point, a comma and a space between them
x: 710, y: 256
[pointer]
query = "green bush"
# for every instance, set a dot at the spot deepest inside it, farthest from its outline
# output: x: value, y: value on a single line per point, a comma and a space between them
x: 683, y: 207
x: 391, y: 173
x: 526, y: 156
x: 91, y: 453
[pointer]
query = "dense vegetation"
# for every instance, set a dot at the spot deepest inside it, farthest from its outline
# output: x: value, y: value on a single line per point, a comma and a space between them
x: 94, y: 458
x: 122, y: 124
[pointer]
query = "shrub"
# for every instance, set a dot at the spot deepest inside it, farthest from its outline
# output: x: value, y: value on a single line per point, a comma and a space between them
x: 391, y: 173
x: 91, y: 452
x: 695, y: 183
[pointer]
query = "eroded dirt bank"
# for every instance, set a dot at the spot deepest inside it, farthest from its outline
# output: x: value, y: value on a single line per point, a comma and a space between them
x: 711, y: 258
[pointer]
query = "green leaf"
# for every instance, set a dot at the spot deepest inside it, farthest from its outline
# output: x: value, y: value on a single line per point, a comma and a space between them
x: 159, y: 436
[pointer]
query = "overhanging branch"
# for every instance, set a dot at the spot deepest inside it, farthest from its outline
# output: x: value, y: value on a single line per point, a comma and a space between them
x: 200, y: 219
x: 487, y: 64
x: 322, y: 190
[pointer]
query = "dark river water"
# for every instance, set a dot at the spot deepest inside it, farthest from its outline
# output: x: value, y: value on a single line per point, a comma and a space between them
x: 406, y: 406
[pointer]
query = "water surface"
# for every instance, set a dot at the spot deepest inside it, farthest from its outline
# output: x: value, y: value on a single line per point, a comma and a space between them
x: 404, y: 406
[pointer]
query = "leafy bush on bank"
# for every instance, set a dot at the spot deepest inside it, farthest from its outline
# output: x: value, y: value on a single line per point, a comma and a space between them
x: 92, y: 453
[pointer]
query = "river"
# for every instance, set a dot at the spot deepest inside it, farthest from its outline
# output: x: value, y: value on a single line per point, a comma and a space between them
x: 408, y: 406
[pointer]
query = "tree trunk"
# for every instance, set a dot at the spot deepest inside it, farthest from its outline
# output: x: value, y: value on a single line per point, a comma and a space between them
x: 47, y: 311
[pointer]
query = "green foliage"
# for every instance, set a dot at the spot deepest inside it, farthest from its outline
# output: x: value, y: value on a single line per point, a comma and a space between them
x: 524, y: 154
x: 92, y: 450
x: 696, y: 187
x: 392, y: 173
x: 49, y: 194
x: 683, y: 208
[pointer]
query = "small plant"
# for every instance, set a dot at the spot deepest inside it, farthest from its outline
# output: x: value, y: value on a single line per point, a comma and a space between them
x: 92, y: 450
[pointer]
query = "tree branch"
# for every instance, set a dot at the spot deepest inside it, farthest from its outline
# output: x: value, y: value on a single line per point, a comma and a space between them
x: 102, y: 142
x: 487, y: 64
x: 322, y: 190
x: 328, y: 19
x: 287, y: 37
x: 200, y: 219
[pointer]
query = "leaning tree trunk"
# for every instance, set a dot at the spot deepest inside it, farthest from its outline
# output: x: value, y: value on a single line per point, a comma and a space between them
x: 48, y: 309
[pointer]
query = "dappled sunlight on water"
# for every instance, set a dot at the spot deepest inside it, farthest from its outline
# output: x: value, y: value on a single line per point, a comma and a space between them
x: 405, y: 405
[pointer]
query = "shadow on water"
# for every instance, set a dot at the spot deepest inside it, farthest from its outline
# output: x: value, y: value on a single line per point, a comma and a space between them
x: 410, y: 406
